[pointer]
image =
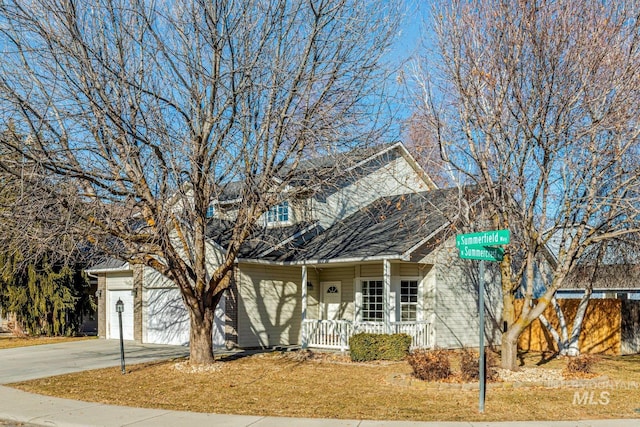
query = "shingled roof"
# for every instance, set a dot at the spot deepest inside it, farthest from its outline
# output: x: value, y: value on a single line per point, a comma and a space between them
x: 389, y: 227
x: 617, y: 268
x: 319, y: 169
x: 107, y: 264
x: 263, y: 242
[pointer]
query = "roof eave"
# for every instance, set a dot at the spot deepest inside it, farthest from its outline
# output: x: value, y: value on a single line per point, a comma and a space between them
x: 399, y: 257
x: 125, y: 267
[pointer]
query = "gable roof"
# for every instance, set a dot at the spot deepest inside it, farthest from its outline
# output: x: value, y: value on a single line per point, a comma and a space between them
x: 358, y: 161
x: 108, y: 265
x: 390, y: 227
x: 394, y: 227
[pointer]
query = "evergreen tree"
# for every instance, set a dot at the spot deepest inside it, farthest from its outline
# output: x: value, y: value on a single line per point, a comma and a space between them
x: 41, y: 279
x: 47, y: 299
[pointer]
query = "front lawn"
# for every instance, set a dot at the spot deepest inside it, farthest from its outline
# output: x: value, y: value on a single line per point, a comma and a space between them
x: 12, y: 342
x: 277, y: 385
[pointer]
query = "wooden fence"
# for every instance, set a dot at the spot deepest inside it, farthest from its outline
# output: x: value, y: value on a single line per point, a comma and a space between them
x: 630, y: 327
x: 610, y: 326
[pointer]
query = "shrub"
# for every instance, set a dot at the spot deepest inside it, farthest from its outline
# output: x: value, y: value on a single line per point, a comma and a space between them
x: 470, y: 366
x: 430, y: 365
x: 364, y: 347
x: 581, y: 364
x: 394, y: 346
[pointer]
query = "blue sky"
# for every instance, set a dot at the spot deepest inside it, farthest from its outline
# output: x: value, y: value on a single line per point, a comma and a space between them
x: 411, y: 39
x: 412, y: 28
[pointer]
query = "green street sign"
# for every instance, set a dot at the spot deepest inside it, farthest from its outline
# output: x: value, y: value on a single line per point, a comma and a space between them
x: 484, y: 254
x: 484, y: 238
x: 484, y: 246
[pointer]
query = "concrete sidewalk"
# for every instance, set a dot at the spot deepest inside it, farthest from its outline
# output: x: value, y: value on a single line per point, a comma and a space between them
x: 25, y: 407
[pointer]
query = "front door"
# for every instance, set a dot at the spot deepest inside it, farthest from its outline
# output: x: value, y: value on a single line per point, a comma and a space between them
x: 331, y: 299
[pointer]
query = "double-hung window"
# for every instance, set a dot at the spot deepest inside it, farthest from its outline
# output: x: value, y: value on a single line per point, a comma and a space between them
x: 278, y: 213
x: 372, y: 301
x: 408, y: 300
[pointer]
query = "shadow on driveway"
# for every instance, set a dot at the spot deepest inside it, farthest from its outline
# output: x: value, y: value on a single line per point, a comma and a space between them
x: 40, y: 361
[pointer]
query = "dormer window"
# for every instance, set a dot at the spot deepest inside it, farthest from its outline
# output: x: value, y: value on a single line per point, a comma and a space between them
x: 278, y: 214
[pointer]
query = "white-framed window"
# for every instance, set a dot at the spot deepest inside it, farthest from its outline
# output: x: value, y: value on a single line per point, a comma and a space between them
x: 408, y: 300
x: 372, y: 301
x: 211, y: 210
x: 278, y: 213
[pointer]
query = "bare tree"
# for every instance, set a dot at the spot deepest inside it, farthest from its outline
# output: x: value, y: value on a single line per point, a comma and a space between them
x: 425, y: 147
x: 537, y: 102
x: 142, y: 114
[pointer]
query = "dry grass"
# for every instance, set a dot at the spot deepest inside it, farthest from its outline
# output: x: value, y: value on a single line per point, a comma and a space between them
x: 269, y: 384
x: 12, y: 342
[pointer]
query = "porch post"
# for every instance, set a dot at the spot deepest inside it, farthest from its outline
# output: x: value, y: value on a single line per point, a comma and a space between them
x: 304, y: 306
x: 386, y: 286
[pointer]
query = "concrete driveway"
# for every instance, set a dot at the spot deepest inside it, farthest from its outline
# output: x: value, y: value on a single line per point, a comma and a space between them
x: 39, y: 361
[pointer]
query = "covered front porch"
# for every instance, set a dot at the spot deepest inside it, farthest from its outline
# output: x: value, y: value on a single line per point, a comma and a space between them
x: 386, y: 296
x: 335, y: 334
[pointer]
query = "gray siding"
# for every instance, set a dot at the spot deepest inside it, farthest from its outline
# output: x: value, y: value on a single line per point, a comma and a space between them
x: 371, y: 270
x: 396, y: 177
x: 455, y: 294
x: 313, y: 294
x: 102, y: 305
x: 405, y: 269
x: 119, y: 280
x: 269, y: 305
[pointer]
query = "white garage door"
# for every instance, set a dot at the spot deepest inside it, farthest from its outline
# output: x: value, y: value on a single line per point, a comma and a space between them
x: 113, y: 331
x: 167, y: 319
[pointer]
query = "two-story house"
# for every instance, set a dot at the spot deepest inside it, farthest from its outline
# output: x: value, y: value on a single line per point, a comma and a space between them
x: 374, y: 251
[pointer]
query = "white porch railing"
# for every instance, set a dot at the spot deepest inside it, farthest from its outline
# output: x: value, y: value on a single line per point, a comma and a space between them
x: 327, y: 333
x: 335, y: 334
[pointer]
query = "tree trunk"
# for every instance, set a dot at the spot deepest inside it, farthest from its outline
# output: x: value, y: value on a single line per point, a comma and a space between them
x: 509, y: 354
x: 509, y: 343
x: 560, y: 342
x: 573, y: 345
x: 201, y: 340
x: 509, y: 348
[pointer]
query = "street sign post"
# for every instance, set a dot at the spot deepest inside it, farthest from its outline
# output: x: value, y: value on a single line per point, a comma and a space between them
x: 483, y: 246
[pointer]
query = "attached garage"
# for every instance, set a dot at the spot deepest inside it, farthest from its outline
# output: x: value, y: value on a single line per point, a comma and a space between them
x: 166, y: 319
x: 153, y: 313
x: 127, y: 315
